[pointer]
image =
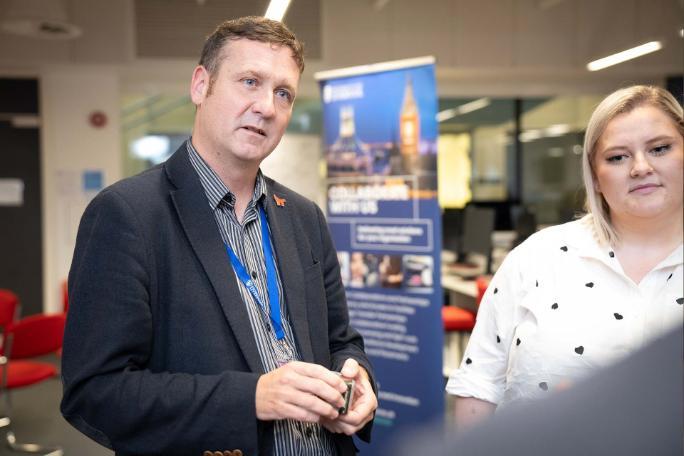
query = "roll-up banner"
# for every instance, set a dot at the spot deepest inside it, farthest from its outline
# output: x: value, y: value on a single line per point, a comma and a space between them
x: 380, y: 144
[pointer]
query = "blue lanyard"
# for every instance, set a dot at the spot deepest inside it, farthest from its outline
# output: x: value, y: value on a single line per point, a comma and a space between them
x: 271, y: 280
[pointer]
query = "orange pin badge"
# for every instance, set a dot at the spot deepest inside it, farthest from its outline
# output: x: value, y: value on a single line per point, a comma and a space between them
x: 279, y: 201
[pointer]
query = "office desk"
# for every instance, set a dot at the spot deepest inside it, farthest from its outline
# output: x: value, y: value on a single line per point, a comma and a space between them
x: 454, y: 283
x: 462, y: 293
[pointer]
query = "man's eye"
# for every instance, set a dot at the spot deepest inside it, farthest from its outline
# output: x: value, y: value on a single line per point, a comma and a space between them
x: 249, y: 82
x: 284, y: 94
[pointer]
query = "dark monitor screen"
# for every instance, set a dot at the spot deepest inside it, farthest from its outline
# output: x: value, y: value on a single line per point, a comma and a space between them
x: 525, y: 224
x: 467, y: 231
x: 452, y: 229
x: 478, y: 226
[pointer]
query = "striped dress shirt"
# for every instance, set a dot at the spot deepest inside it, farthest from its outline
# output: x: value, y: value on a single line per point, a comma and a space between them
x: 291, y: 437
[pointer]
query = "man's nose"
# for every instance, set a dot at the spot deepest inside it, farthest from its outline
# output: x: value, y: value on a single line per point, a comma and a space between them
x: 641, y: 165
x: 264, y: 103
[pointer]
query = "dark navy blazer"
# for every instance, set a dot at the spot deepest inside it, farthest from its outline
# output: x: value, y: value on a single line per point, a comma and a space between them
x: 159, y: 355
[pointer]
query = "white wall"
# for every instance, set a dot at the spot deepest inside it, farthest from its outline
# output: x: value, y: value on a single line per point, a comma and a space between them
x: 70, y: 145
x: 296, y: 163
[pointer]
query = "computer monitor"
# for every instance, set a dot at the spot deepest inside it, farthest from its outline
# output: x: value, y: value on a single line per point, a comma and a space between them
x: 478, y: 227
x: 469, y: 230
x: 525, y: 224
x: 452, y: 230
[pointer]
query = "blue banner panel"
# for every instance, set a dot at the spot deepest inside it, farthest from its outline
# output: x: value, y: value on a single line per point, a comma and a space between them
x: 381, y: 155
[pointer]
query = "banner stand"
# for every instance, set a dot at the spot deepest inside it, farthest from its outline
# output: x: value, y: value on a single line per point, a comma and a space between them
x: 380, y: 143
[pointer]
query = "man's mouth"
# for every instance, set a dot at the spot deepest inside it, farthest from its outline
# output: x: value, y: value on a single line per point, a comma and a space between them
x: 256, y: 130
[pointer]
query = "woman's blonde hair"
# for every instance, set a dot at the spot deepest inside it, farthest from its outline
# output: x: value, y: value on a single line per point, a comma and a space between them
x: 619, y: 102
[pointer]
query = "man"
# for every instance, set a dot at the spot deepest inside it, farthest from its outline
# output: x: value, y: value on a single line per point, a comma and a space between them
x: 207, y: 309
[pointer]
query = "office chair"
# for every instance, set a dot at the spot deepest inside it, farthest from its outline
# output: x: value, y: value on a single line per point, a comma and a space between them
x: 458, y: 324
x: 9, y: 302
x: 481, y: 282
x: 30, y: 337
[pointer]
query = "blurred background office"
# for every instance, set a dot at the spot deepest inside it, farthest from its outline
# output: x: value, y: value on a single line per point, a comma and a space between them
x: 92, y: 91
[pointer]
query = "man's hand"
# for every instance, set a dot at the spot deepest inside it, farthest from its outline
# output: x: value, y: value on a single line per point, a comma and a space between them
x: 299, y: 391
x: 362, y: 406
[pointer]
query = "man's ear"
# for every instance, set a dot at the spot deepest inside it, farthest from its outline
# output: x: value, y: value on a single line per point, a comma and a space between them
x: 199, y: 85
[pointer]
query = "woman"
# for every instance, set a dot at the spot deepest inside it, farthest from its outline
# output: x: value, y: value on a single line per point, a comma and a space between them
x: 578, y: 296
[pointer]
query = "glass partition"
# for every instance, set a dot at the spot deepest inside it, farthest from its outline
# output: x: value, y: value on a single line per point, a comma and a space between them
x: 551, y: 140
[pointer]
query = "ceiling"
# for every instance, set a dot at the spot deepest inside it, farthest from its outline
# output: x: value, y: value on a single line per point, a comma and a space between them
x: 176, y: 28
x: 498, y: 48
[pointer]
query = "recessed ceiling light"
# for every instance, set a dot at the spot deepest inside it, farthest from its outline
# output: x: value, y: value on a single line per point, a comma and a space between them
x: 463, y: 109
x: 276, y: 9
x: 625, y: 55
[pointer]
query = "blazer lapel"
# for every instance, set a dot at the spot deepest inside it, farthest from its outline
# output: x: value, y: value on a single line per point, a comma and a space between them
x: 200, y: 226
x: 290, y: 268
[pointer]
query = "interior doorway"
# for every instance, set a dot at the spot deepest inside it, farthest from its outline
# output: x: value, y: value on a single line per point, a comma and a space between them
x: 21, y: 262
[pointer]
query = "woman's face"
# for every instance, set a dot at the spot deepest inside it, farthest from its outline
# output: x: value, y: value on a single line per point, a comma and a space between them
x: 639, y: 165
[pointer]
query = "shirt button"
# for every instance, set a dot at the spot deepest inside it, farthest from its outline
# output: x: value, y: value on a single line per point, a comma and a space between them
x: 254, y: 275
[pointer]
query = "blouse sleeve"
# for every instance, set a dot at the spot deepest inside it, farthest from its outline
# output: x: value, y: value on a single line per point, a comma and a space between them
x: 482, y: 373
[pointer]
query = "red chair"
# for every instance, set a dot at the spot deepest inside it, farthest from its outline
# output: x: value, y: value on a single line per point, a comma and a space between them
x: 9, y: 302
x: 457, y: 319
x: 65, y: 305
x: 458, y: 324
x: 482, y: 282
x: 33, y: 336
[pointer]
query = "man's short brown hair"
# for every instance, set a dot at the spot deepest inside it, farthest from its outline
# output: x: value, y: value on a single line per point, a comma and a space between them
x: 255, y: 28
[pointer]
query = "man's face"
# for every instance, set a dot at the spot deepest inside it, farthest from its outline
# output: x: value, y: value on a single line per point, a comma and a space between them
x: 244, y: 111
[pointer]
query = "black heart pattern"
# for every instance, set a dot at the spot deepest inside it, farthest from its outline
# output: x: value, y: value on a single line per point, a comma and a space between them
x: 611, y: 254
x: 544, y: 386
x: 669, y: 277
x: 618, y: 316
x: 589, y: 285
x: 680, y: 301
x: 517, y: 341
x: 469, y: 361
x: 554, y: 306
x: 564, y: 248
x: 579, y: 350
x: 496, y: 290
x: 536, y: 283
x: 498, y: 339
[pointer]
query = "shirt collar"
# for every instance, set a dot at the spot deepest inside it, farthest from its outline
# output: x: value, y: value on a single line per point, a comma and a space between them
x: 214, y: 188
x: 674, y: 259
x: 582, y: 236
